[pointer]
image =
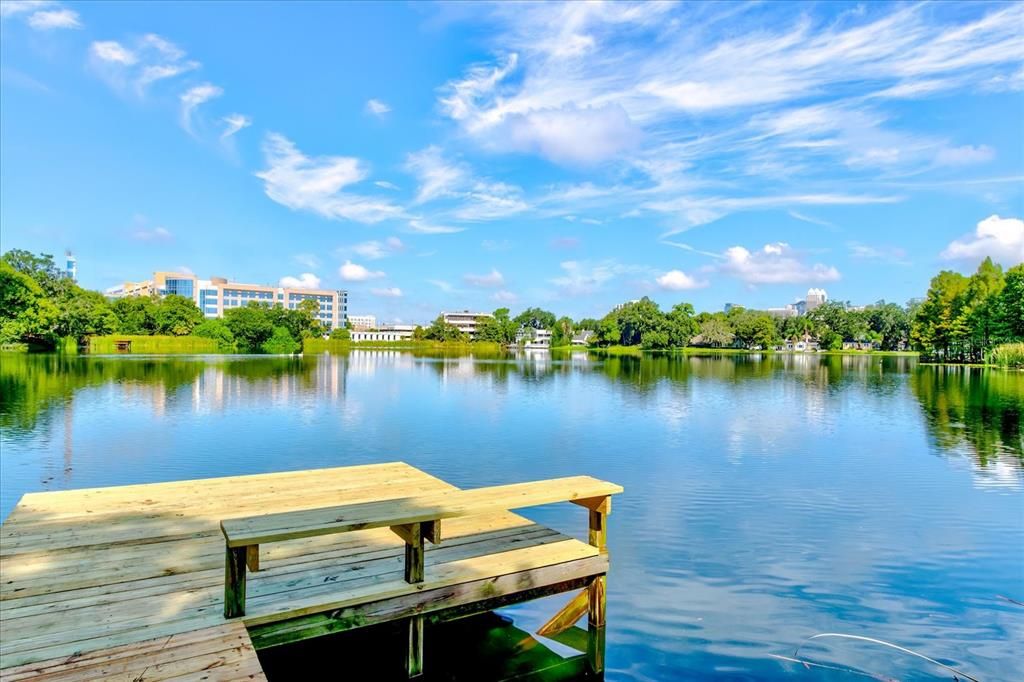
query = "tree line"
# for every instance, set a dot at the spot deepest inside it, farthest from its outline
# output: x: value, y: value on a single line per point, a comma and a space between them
x: 40, y: 306
x: 961, y: 319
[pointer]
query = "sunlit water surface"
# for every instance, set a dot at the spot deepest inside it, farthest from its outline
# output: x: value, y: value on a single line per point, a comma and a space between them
x: 767, y: 498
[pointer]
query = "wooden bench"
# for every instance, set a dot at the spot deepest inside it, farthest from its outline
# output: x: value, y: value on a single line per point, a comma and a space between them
x: 414, y: 520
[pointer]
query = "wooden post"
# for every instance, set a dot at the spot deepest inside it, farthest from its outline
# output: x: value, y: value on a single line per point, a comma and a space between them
x: 234, y: 582
x: 596, y: 598
x: 252, y: 557
x: 414, y: 574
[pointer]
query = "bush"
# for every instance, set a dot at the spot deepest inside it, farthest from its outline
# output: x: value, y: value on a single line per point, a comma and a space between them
x: 340, y: 334
x: 219, y: 331
x: 281, y: 343
x: 1007, y: 355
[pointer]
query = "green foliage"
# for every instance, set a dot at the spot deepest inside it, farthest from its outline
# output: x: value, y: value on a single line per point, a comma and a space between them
x: 176, y: 315
x: 250, y: 326
x: 217, y: 330
x: 342, y: 334
x: 716, y: 332
x: 963, y: 317
x: 1010, y: 355
x: 498, y: 329
x: 152, y: 343
x: 439, y: 330
x: 41, y: 269
x: 281, y: 343
x: 136, y: 314
x: 536, y: 318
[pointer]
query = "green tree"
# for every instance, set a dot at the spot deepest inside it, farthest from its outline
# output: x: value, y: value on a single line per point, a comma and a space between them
x: 536, y: 318
x: 217, y: 330
x: 42, y: 269
x: 83, y: 313
x: 439, y: 330
x: 250, y: 326
x: 281, y: 342
x: 176, y: 315
x: 498, y: 329
x: 716, y: 332
x: 939, y: 328
x: 892, y: 322
x: 561, y: 333
x: 343, y: 334
x: 1009, y: 309
x: 26, y: 314
x: 135, y: 314
x: 681, y: 327
x: 982, y: 306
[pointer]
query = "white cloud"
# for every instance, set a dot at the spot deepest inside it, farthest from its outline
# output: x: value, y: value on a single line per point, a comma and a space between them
x: 387, y: 292
x: 57, y: 18
x: 677, y: 280
x: 965, y: 155
x: 1001, y: 239
x: 775, y: 263
x: 423, y: 227
x: 353, y: 272
x: 496, y: 245
x: 10, y: 8
x: 504, y: 296
x: 444, y: 286
x: 306, y: 280
x: 376, y: 249
x: 437, y: 177
x: 192, y: 98
x: 581, y: 278
x: 307, y: 259
x: 377, y: 108
x: 233, y: 123
x: 155, y: 234
x: 314, y: 184
x: 887, y: 254
x: 112, y: 51
x: 148, y: 60
x: 490, y: 280
x: 384, y: 184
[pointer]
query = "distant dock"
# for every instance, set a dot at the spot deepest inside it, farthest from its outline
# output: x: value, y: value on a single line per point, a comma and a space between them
x: 188, y: 580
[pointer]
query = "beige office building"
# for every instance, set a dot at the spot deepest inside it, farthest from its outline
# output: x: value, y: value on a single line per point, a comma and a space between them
x: 465, y: 321
x: 216, y: 295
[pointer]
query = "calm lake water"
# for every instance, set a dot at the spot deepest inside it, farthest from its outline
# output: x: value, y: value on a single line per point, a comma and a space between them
x: 767, y: 498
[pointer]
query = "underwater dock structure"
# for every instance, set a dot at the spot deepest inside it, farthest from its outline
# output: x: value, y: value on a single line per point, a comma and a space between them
x: 188, y: 580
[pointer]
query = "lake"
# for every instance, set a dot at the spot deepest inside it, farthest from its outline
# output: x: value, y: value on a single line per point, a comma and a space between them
x: 768, y: 498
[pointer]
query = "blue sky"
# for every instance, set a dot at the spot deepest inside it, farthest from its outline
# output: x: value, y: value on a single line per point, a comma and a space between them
x: 451, y: 156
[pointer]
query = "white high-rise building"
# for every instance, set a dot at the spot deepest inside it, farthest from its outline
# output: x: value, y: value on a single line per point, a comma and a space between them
x: 363, y: 322
x: 815, y: 298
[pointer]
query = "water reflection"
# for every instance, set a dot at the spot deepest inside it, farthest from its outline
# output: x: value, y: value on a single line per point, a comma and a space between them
x: 768, y: 497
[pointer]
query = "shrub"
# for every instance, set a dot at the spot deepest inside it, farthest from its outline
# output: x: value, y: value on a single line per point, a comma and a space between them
x: 1007, y: 355
x: 281, y: 343
x: 217, y: 330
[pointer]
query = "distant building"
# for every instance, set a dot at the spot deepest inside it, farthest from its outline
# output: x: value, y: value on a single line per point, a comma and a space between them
x: 623, y: 305
x: 383, y: 334
x: 582, y: 338
x: 465, y: 321
x: 788, y: 311
x: 216, y: 295
x: 363, y: 322
x: 815, y: 298
x: 729, y: 306
x: 533, y: 338
x: 70, y: 266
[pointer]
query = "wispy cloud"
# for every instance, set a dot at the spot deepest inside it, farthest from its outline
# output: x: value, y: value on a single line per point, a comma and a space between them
x: 475, y: 199
x: 233, y: 123
x: 423, y: 227
x: 491, y: 279
x: 886, y: 254
x: 315, y: 184
x: 47, y: 20
x: 152, y: 234
x: 582, y: 278
x: 191, y: 100
x: 446, y: 287
x: 377, y: 108
x: 376, y: 249
x: 387, y: 292
x: 134, y: 68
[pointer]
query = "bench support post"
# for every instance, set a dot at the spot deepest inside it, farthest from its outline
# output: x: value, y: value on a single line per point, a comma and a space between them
x: 234, y: 582
x: 596, y: 598
x: 413, y: 535
x: 252, y: 557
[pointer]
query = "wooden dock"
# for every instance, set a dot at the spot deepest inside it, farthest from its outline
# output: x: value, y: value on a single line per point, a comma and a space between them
x: 138, y: 582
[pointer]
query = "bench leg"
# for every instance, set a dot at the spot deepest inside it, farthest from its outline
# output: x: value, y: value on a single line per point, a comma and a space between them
x: 596, y: 627
x: 234, y: 582
x: 414, y: 657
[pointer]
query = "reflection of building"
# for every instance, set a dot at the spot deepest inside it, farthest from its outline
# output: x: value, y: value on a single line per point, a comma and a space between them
x: 215, y: 295
x: 363, y: 322
x: 465, y: 321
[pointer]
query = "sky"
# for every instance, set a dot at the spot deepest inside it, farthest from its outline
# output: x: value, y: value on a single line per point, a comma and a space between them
x: 430, y: 157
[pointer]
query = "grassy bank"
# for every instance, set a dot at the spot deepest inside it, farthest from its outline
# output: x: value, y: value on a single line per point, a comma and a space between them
x: 1007, y: 355
x: 336, y: 346
x: 153, y: 344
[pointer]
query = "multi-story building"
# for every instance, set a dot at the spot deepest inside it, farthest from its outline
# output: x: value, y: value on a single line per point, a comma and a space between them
x: 70, y: 266
x: 362, y: 322
x: 815, y: 298
x: 216, y: 295
x: 465, y: 321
